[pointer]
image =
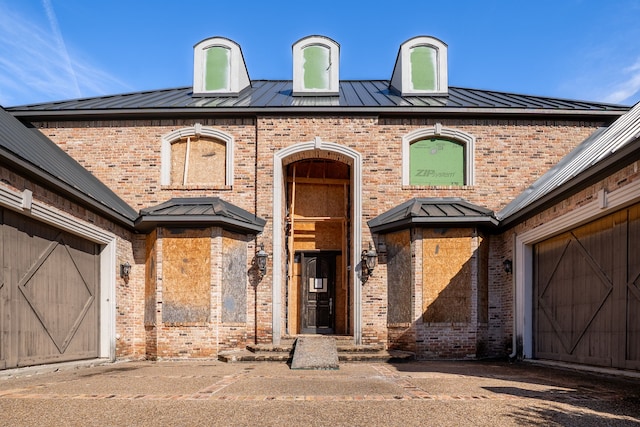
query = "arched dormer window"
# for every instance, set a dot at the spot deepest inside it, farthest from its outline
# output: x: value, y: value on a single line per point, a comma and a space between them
x: 437, y: 157
x: 421, y: 67
x: 219, y: 68
x: 316, y: 66
x: 197, y: 157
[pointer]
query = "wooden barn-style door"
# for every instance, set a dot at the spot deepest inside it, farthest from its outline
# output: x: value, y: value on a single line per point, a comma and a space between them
x: 48, y: 294
x: 587, y: 293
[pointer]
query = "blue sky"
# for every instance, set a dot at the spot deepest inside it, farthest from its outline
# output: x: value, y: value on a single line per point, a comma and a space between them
x: 63, y: 49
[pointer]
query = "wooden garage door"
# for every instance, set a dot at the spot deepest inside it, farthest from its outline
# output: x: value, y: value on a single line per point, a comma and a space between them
x: 587, y: 293
x: 48, y: 294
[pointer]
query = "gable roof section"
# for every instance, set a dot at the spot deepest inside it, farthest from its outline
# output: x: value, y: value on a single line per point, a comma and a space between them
x: 433, y: 212
x: 606, y: 148
x: 355, y: 96
x: 199, y: 212
x: 29, y: 151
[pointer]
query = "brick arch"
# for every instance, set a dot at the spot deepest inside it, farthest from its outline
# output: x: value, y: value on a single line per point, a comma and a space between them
x: 308, y: 150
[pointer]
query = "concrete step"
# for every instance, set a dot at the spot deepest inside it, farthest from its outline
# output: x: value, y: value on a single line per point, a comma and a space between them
x: 347, y: 352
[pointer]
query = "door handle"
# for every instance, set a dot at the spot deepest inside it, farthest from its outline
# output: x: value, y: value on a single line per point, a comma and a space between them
x: 330, y: 306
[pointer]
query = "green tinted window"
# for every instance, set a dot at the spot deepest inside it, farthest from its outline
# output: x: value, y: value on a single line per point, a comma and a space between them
x: 316, y: 67
x: 436, y: 162
x: 423, y: 68
x: 217, y: 69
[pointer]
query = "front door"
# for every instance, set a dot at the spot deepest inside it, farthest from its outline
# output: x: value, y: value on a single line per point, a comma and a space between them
x: 318, y: 290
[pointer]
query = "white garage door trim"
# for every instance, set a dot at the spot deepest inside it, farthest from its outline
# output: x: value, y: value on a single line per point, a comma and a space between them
x: 23, y: 202
x: 523, y: 252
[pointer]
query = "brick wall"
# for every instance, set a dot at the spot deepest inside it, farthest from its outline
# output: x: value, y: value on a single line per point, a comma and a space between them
x: 509, y: 156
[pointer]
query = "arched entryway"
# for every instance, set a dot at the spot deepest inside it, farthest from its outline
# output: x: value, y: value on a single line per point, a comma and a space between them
x: 317, y: 220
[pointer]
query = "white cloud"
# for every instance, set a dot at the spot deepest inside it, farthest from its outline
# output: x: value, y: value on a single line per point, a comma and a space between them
x: 627, y: 90
x: 35, y: 65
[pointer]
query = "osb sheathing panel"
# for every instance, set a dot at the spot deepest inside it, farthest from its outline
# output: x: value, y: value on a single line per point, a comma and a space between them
x: 399, y: 284
x: 234, y: 278
x: 318, y: 235
x: 150, y: 279
x: 446, y: 277
x: 294, y: 299
x: 186, y: 276
x: 483, y: 280
x: 318, y: 200
x: 205, y: 165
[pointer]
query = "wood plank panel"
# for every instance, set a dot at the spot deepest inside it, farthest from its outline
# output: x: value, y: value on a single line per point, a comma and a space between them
x: 54, y: 281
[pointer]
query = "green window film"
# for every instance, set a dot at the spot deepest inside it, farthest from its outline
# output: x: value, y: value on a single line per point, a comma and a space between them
x: 423, y: 68
x: 217, y: 68
x: 316, y: 67
x: 436, y: 162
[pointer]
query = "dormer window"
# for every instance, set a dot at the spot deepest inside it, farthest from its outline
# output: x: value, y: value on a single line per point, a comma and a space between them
x: 219, y: 68
x: 316, y: 66
x: 421, y: 68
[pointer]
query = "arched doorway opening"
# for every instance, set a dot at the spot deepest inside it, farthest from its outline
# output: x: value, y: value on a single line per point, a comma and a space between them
x: 318, y: 244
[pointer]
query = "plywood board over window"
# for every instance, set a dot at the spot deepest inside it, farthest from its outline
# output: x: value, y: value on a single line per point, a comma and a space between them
x: 447, y: 274
x: 234, y: 278
x: 186, y: 271
x: 196, y: 160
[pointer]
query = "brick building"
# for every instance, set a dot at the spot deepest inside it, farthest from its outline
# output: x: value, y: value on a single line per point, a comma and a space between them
x: 459, y: 199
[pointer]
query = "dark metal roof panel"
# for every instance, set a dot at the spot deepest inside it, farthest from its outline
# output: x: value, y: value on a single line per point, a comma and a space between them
x: 277, y: 94
x: 32, y: 148
x: 199, y: 211
x: 449, y: 211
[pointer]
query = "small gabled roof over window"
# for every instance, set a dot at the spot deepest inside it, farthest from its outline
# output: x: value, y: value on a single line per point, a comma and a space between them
x: 199, y: 212
x: 421, y: 67
x: 219, y: 68
x: 316, y: 66
x: 433, y: 212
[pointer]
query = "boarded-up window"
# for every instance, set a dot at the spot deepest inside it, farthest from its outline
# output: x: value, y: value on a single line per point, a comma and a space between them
x: 399, y: 284
x: 446, y: 275
x: 234, y: 279
x: 436, y: 161
x: 423, y: 68
x: 217, y: 69
x: 197, y: 160
x: 186, y: 271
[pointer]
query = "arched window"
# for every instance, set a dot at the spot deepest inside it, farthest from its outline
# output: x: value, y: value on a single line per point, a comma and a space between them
x: 197, y: 156
x: 421, y: 67
x: 437, y: 157
x: 218, y: 68
x: 316, y: 66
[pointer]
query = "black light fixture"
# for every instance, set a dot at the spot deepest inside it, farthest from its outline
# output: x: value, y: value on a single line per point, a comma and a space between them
x: 261, y: 260
x: 369, y: 258
x: 508, y: 265
x: 125, y: 270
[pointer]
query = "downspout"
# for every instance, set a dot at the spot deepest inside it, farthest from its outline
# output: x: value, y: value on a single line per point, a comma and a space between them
x: 514, y: 303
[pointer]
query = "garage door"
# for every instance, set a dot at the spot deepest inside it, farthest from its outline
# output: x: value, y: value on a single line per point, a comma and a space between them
x: 587, y: 293
x: 48, y: 294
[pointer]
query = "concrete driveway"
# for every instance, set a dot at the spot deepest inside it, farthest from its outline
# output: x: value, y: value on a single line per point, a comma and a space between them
x: 212, y: 393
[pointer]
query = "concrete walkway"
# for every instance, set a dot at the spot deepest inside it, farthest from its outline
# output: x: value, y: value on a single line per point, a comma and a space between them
x: 212, y: 393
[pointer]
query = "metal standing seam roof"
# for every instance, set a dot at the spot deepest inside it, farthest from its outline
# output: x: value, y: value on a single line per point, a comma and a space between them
x: 199, y: 211
x: 31, y: 151
x: 603, y: 143
x: 354, y: 96
x: 433, y: 211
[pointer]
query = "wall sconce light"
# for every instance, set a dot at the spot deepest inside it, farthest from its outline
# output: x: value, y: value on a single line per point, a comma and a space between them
x: 369, y: 258
x: 125, y: 270
x: 261, y: 260
x: 508, y: 265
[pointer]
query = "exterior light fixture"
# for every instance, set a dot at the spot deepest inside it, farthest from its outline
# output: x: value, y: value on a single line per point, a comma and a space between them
x: 369, y: 258
x: 261, y: 260
x: 508, y: 265
x: 125, y: 270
